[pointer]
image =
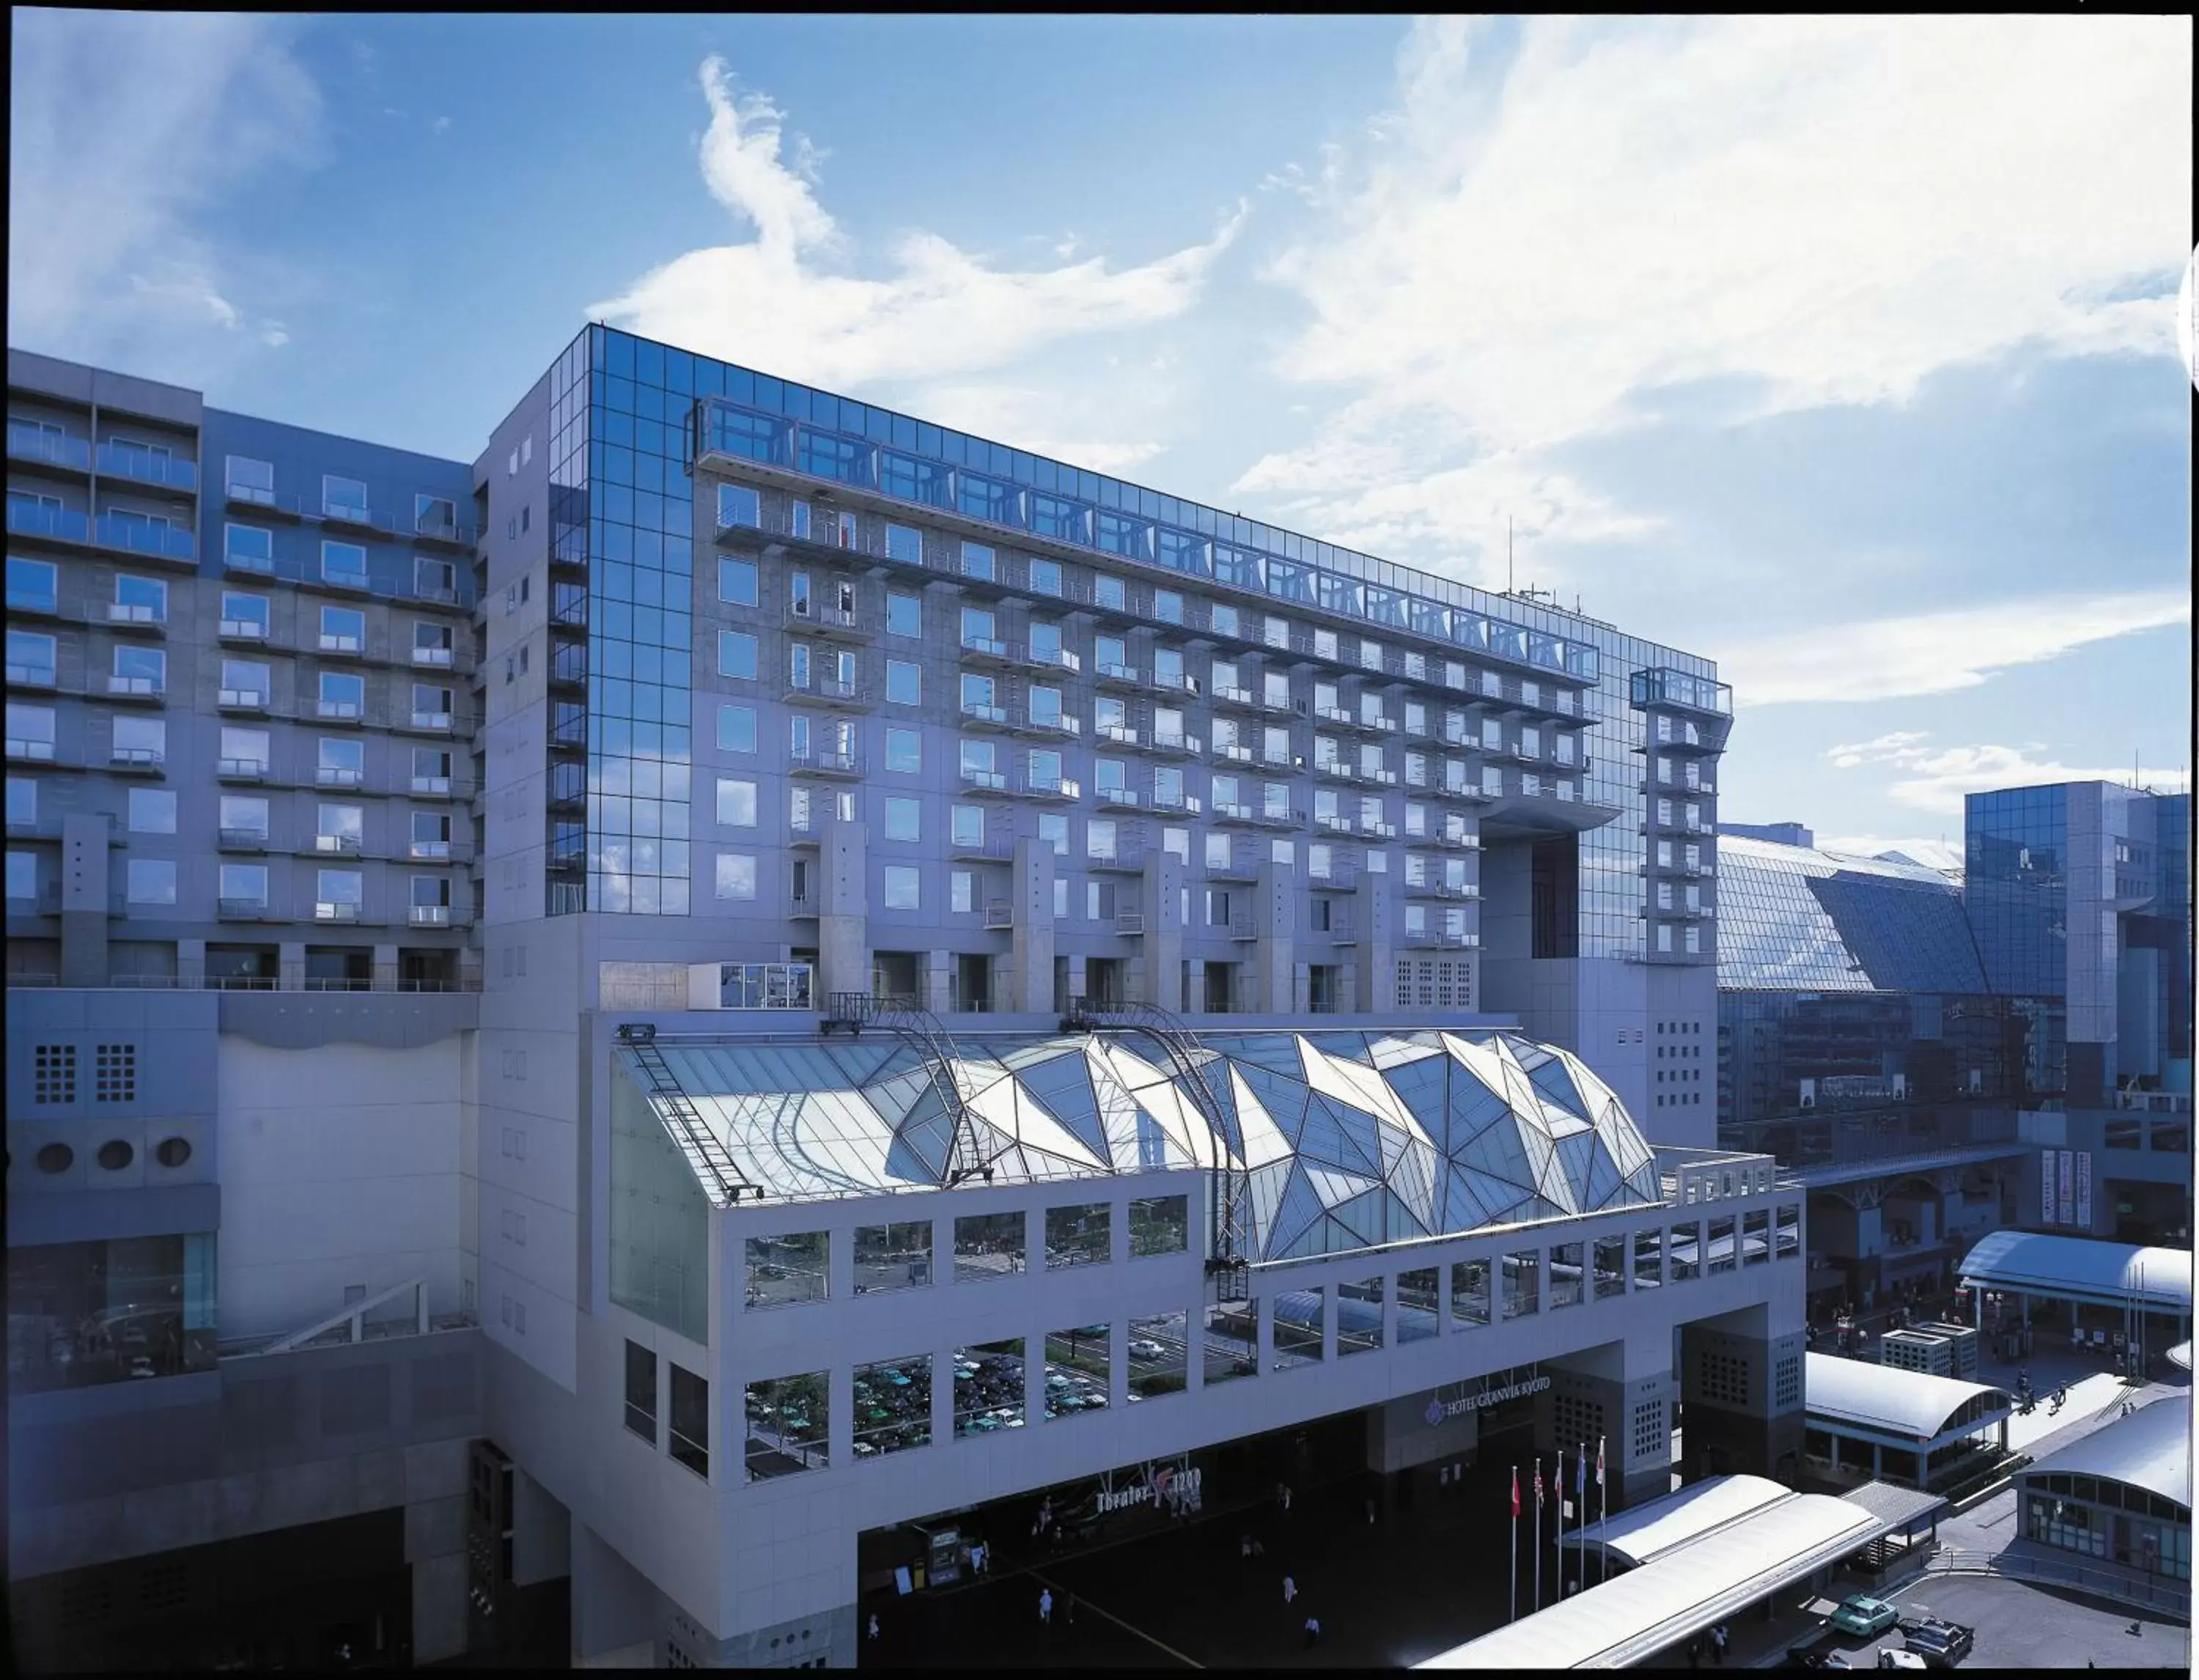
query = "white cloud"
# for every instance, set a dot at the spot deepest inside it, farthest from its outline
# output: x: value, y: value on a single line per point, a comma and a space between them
x: 782, y: 301
x: 1933, y: 653
x: 1836, y: 206
x: 1936, y: 778
x: 124, y: 128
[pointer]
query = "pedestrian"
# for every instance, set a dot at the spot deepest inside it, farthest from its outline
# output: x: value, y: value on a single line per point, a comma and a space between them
x: 1717, y: 1643
x: 1370, y: 1514
x: 1245, y: 1549
x: 1046, y: 1607
x: 1290, y: 1588
x: 1259, y: 1547
x: 874, y: 1626
x: 1287, y: 1499
x: 1068, y: 1605
x: 1695, y: 1652
x: 1312, y: 1632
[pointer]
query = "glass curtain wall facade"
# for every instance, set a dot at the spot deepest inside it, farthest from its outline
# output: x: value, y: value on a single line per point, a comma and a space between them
x: 622, y: 494
x: 2016, y: 884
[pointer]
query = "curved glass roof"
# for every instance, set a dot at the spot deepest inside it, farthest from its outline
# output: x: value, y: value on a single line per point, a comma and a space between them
x: 1796, y: 918
x: 1347, y: 1140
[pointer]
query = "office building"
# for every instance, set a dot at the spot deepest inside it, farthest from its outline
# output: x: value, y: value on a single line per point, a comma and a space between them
x: 706, y: 704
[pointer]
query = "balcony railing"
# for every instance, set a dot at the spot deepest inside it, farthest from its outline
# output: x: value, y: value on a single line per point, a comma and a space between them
x: 430, y: 915
x: 147, y: 468
x: 32, y: 676
x: 137, y: 688
x: 825, y: 763
x: 240, y: 769
x: 49, y: 449
x: 137, y: 612
x: 147, y: 536
x: 1129, y: 922
x: 36, y: 519
x: 242, y: 909
x: 441, y: 656
x: 830, y: 689
x: 137, y: 758
x: 1000, y: 912
x: 244, y: 839
x: 324, y: 911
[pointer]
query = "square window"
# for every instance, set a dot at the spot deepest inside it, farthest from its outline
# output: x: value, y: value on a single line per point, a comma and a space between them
x: 689, y: 1442
x: 737, y: 654
x: 738, y: 506
x: 152, y: 811
x: 152, y: 881
x: 904, y: 751
x: 736, y: 803
x: 737, y: 729
x: 900, y: 887
x: 904, y: 819
x: 904, y: 682
x: 737, y: 875
x: 737, y: 582
x: 963, y: 892
x: 904, y: 615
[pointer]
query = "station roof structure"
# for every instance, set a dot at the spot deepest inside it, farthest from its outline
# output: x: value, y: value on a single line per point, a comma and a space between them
x: 1643, y: 1534
x: 2080, y: 1268
x: 2150, y: 1449
x: 1346, y: 1140
x: 1915, y: 1405
x: 1684, y: 1588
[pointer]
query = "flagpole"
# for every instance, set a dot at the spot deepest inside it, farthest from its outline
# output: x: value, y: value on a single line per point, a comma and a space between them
x: 1561, y: 1525
x: 1538, y: 1532
x: 1514, y: 1616
x: 1603, y: 1518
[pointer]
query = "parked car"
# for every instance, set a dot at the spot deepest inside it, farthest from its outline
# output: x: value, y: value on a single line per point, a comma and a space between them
x: 1941, y: 1644
x: 1864, y: 1616
x: 1893, y: 1659
x: 1144, y: 1350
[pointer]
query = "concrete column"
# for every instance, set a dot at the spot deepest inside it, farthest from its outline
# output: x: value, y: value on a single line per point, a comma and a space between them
x: 1374, y: 980
x: 932, y: 983
x: 86, y: 838
x: 190, y: 962
x: 290, y: 965
x: 436, y: 1547
x: 385, y: 968
x: 843, y: 945
x: 613, y: 1606
x: 1028, y: 985
x: 1274, y: 960
x: 1076, y: 976
x: 1160, y: 896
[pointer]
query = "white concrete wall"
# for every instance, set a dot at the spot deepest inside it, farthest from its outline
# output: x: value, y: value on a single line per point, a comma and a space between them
x: 340, y: 1165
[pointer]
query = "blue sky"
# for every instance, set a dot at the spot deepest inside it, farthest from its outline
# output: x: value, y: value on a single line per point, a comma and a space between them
x: 1841, y: 352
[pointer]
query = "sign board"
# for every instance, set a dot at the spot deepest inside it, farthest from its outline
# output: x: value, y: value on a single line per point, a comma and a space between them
x: 1176, y: 1486
x: 1440, y: 1410
x: 2046, y: 1182
x: 2085, y: 1187
x: 2068, y: 1168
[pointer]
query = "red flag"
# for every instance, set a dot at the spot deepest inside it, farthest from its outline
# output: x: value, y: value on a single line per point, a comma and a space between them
x: 1515, y: 1493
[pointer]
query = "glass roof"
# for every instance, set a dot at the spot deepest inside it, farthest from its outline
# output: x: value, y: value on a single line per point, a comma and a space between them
x: 1793, y: 918
x: 1346, y: 1138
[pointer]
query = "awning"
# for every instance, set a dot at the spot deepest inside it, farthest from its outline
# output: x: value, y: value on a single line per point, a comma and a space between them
x: 2081, y: 1269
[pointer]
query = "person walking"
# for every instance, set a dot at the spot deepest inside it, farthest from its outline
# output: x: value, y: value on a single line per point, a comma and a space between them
x: 1046, y: 1607
x: 1290, y: 1588
x: 1287, y: 1499
x: 1245, y: 1549
x: 1717, y: 1643
x: 1695, y: 1652
x: 1370, y: 1514
x: 874, y: 1627
x: 1069, y: 1607
x: 1312, y: 1632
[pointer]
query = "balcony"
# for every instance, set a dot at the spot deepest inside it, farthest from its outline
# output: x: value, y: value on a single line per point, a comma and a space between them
x: 989, y: 650
x: 351, y: 517
x: 36, y: 519
x: 428, y: 851
x: 239, y: 560
x: 983, y: 848
x: 834, y: 623
x: 240, y: 769
x: 440, y: 658
x: 1340, y: 930
x: 430, y: 915
x: 325, y: 911
x: 32, y: 676
x: 439, y: 787
x: 1060, y: 724
x: 1464, y: 793
x: 826, y: 692
x: 150, y: 538
x: 255, y: 500
x: 1342, y: 878
x: 1243, y: 864
x: 136, y: 615
x: 1127, y: 859
x: 802, y: 905
x: 241, y: 909
x: 1177, y: 804
x: 1242, y: 926
x: 1118, y: 734
x: 333, y: 577
x: 345, y: 646
x: 1234, y: 752
x: 979, y: 716
x: 1175, y: 683
x: 1113, y: 675
x: 1456, y: 892
x: 1375, y: 829
x: 243, y: 840
x: 1336, y: 714
x: 1054, y: 788
x: 339, y: 711
x: 1269, y: 702
x: 1332, y: 822
x: 999, y: 914
x: 338, y: 775
x: 1172, y: 745
x: 430, y: 722
x: 1270, y: 819
x: 143, y: 466
x: 1241, y: 698
x: 1229, y: 814
x: 835, y: 766
x: 137, y: 688
x: 338, y: 845
x: 253, y: 630
x: 985, y: 784
x: 49, y: 449
x: 41, y: 603
x: 1120, y: 798
x: 142, y: 760
x: 40, y: 752
x: 1056, y: 659
x: 1129, y: 924
x: 432, y: 527
x: 1439, y: 939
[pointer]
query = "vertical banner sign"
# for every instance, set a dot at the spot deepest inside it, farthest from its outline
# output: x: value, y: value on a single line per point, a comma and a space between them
x: 2069, y: 1171
x: 2084, y: 1188
x: 2046, y: 1185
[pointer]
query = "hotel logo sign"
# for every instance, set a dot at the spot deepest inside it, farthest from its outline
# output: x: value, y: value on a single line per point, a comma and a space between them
x: 1164, y: 1486
x: 1442, y: 1411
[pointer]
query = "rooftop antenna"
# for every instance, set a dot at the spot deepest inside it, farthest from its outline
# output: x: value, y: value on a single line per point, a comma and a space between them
x: 1508, y: 554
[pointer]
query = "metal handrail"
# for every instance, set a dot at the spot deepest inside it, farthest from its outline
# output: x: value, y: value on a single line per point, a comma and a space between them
x: 702, y: 1145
